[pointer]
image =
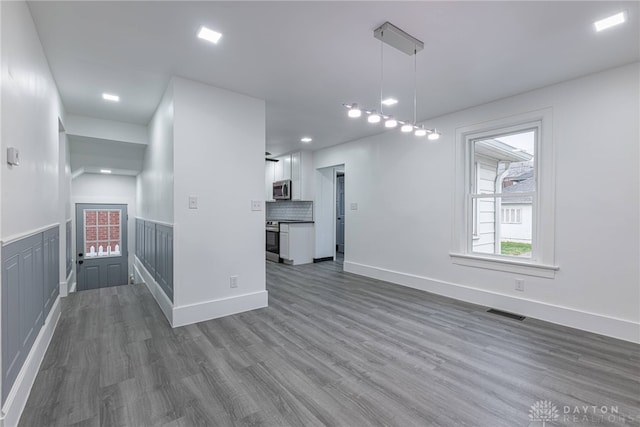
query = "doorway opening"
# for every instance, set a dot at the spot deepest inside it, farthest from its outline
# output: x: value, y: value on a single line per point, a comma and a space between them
x: 339, y: 256
x: 101, y: 244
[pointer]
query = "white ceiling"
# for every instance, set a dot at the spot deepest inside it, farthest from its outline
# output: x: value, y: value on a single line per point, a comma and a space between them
x: 307, y: 58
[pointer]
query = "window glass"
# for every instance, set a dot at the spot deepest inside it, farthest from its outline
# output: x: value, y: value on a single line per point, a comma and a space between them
x: 102, y: 232
x: 502, y: 192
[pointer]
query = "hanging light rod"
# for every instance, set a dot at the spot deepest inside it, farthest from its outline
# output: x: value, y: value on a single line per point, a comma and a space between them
x: 389, y: 34
x: 405, y: 126
x: 395, y: 37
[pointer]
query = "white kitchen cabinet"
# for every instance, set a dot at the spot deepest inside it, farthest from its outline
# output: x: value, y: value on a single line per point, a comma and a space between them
x: 302, y: 175
x: 269, y: 173
x: 282, y: 168
x: 278, y: 171
x: 286, y: 166
x: 297, y: 243
x: 284, y: 242
x: 298, y: 167
x: 296, y: 181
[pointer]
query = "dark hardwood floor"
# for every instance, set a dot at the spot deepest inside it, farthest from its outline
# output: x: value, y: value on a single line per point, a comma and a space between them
x: 331, y: 349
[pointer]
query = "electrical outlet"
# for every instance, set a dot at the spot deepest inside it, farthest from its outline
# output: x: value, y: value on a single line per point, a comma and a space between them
x: 520, y: 285
x: 256, y: 205
x: 193, y: 202
x: 233, y: 281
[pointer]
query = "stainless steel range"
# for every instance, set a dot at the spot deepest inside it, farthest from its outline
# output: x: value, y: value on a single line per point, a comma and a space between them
x: 273, y: 241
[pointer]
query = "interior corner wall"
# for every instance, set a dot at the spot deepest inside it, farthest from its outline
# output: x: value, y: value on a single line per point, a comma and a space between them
x: 407, y: 185
x: 219, y: 159
x: 154, y: 185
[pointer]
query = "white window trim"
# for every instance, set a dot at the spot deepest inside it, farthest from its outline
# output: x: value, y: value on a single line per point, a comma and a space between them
x: 542, y: 263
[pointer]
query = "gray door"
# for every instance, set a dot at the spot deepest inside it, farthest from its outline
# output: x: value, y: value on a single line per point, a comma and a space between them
x: 101, y: 245
x: 340, y: 214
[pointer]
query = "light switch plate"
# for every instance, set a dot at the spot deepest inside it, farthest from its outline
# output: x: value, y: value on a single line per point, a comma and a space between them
x: 256, y: 205
x: 354, y: 206
x: 193, y: 202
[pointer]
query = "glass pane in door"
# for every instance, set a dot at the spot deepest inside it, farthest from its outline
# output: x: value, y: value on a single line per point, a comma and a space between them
x: 102, y: 233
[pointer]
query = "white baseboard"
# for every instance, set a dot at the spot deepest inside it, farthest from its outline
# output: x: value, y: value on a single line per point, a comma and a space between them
x: 207, y: 310
x: 161, y: 298
x: 17, y: 398
x: 65, y: 287
x: 591, y: 322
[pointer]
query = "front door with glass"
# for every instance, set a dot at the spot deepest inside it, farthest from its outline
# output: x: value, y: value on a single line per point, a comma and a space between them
x: 101, y: 245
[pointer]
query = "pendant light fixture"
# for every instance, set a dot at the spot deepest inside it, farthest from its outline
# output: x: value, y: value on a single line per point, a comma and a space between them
x: 399, y: 39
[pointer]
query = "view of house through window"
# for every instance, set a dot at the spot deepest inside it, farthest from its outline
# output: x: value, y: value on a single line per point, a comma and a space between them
x: 101, y: 232
x: 502, y: 194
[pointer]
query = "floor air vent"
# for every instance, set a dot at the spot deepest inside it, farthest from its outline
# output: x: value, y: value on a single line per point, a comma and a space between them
x: 505, y: 314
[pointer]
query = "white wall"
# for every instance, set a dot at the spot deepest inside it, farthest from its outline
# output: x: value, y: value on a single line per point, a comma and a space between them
x: 154, y: 187
x: 102, y: 188
x: 218, y: 157
x: 30, y: 110
x: 408, y: 185
x: 29, y: 193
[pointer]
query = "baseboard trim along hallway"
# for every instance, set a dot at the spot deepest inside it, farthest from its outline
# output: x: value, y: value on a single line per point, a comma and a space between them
x: 166, y: 306
x: 202, y: 311
x: 565, y: 316
x: 17, y: 398
x: 214, y: 309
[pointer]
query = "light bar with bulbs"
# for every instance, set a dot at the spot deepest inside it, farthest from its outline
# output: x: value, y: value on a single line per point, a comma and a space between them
x: 354, y: 111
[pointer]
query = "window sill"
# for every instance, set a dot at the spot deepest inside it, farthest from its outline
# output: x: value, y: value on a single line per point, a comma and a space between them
x: 506, y: 265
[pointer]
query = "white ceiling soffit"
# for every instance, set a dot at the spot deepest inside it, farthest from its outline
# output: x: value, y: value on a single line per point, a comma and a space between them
x: 93, y: 154
x: 307, y: 58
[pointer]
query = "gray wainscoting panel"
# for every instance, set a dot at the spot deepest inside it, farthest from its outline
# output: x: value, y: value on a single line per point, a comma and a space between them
x: 149, y: 257
x: 154, y: 248
x: 29, y: 289
x: 51, y: 243
x: 164, y: 259
x: 140, y: 239
x: 69, y: 257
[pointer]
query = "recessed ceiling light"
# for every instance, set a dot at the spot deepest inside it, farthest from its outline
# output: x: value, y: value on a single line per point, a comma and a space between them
x: 390, y: 101
x: 105, y: 170
x: 611, y: 21
x: 110, y: 97
x: 209, y: 35
x: 306, y: 139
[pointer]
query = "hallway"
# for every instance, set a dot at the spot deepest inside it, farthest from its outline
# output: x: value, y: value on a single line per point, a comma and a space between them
x: 331, y: 349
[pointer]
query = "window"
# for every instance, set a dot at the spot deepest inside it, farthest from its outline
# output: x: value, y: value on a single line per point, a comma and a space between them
x: 504, y: 185
x: 101, y: 232
x: 511, y: 216
x: 504, y: 195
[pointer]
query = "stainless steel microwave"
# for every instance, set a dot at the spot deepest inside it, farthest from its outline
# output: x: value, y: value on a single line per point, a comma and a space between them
x: 282, y: 190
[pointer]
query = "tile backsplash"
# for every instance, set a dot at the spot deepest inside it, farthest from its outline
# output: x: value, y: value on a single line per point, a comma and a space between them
x: 290, y: 210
